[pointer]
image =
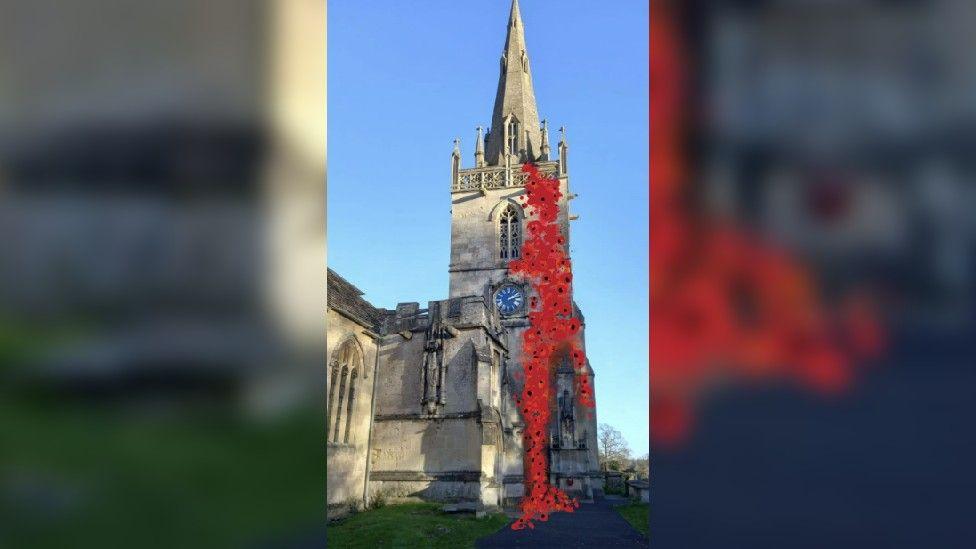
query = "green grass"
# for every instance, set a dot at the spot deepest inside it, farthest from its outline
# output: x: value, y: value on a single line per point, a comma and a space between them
x: 23, y: 341
x: 412, y: 525
x: 637, y: 514
x: 81, y: 475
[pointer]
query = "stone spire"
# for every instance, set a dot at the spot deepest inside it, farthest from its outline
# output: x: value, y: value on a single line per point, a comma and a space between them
x: 514, y: 98
x: 456, y: 162
x: 545, y: 140
x: 479, y: 150
x: 563, y: 151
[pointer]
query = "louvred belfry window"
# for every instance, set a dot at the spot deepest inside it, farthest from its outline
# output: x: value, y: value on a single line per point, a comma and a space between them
x: 510, y: 233
x: 513, y: 132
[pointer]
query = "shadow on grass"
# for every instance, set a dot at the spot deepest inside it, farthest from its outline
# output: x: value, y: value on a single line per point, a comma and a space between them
x: 412, y: 525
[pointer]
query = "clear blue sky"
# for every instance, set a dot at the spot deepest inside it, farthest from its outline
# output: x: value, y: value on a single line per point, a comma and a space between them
x: 405, y: 78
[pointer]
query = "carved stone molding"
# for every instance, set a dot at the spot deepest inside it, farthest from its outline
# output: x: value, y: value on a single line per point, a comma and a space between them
x: 426, y: 417
x: 420, y: 476
x: 498, y: 177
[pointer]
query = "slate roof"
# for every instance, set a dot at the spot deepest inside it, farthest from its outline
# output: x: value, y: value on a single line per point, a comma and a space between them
x: 346, y: 298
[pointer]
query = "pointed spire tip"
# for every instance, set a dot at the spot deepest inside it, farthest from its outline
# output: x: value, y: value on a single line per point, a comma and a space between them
x: 515, y: 108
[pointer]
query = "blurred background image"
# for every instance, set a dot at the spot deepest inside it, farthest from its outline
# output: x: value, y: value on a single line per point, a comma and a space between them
x: 813, y: 162
x: 844, y: 130
x: 162, y: 272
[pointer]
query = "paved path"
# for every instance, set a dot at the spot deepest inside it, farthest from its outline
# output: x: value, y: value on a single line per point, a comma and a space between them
x: 592, y: 525
x: 888, y: 465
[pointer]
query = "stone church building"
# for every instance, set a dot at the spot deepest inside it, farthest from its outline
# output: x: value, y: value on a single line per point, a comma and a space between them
x: 422, y: 400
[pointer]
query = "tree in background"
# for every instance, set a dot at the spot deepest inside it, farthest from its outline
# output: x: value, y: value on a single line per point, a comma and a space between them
x: 614, y: 452
x: 642, y: 465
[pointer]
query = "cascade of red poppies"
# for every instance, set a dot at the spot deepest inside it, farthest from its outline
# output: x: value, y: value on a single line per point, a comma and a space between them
x: 725, y: 304
x: 553, y: 335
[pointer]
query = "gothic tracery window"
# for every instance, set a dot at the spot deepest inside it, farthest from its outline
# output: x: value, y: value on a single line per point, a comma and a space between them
x: 343, y: 390
x: 333, y: 391
x: 338, y: 413
x: 510, y: 233
x: 350, y: 402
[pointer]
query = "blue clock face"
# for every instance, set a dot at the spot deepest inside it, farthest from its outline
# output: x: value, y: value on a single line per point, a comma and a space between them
x: 509, y: 299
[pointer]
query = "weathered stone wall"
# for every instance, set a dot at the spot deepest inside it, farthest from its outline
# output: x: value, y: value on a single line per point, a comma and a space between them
x: 346, y: 460
x: 423, y: 445
x: 430, y: 490
x: 449, y: 454
x: 401, y: 370
x: 474, y: 240
x: 475, y: 250
x: 401, y: 367
x: 345, y: 472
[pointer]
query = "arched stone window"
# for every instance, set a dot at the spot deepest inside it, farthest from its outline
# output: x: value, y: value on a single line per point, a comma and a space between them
x: 342, y: 394
x: 510, y: 233
x: 343, y: 390
x: 333, y: 392
x: 350, y: 402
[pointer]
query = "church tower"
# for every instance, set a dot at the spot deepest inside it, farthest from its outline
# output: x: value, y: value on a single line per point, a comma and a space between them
x: 487, y: 223
x: 446, y: 425
x: 488, y: 227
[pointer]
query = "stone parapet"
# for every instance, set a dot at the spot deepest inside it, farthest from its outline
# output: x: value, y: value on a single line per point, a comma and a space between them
x: 498, y: 177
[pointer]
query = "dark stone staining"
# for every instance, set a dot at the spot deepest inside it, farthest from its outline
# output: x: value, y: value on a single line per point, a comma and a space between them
x: 417, y: 476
